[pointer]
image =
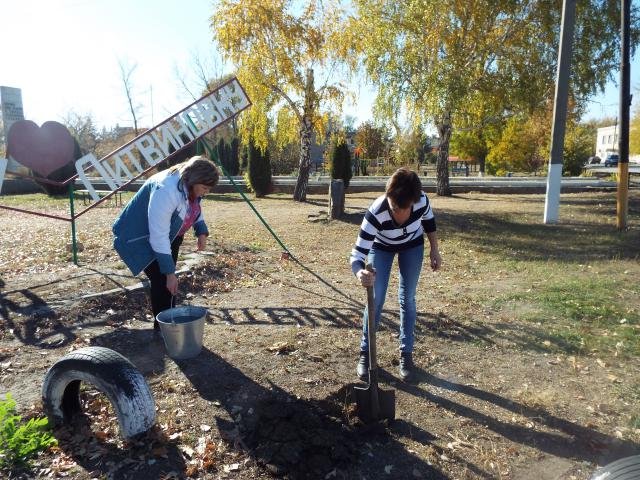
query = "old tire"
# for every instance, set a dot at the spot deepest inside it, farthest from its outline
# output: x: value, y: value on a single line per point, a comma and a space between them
x: 627, y: 468
x: 109, y: 372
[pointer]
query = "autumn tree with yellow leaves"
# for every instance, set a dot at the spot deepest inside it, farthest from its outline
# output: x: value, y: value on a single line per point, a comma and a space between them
x: 439, y: 61
x: 287, y: 56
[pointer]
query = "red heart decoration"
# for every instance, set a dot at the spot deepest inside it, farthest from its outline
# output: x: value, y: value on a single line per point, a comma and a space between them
x: 42, y: 149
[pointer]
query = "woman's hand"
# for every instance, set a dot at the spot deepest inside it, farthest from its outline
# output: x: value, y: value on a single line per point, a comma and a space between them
x: 202, y: 242
x: 172, y: 283
x: 366, y: 277
x: 436, y: 259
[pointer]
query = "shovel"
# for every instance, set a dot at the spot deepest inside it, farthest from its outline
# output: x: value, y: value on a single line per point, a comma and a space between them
x: 372, y: 402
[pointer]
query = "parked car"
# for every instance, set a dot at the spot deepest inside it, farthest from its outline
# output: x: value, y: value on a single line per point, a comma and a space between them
x: 593, y: 160
x: 611, y: 160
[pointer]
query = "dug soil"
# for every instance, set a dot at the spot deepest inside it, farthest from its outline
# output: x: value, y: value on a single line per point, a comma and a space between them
x: 270, y: 393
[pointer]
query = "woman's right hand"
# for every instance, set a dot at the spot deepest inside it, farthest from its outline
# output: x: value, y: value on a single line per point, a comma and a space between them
x: 366, y: 277
x: 172, y: 283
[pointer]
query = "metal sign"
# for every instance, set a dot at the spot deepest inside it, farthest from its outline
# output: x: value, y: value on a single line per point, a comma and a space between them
x: 156, y: 145
x: 143, y: 153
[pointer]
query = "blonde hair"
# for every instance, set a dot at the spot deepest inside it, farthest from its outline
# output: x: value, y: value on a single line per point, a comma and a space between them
x: 197, y: 169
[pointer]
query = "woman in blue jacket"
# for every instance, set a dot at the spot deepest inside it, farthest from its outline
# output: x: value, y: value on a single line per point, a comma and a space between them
x: 149, y: 231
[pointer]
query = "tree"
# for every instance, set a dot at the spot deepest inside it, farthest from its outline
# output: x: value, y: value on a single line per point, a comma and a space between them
x: 197, y: 79
x: 82, y: 128
x: 437, y: 59
x: 412, y: 148
x: 370, y: 139
x: 234, y: 162
x: 522, y: 147
x: 279, y: 48
x: 341, y: 163
x: 470, y: 145
x: 578, y: 147
x: 126, y: 73
x: 259, y: 171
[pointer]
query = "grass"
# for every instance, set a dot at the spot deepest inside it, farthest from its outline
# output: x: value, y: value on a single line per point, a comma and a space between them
x: 20, y: 440
x: 581, y: 315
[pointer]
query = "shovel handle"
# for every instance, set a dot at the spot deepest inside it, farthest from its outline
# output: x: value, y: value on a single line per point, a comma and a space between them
x: 371, y: 324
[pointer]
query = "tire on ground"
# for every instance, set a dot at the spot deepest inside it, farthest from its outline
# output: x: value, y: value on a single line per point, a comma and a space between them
x: 112, y: 374
x: 627, y: 468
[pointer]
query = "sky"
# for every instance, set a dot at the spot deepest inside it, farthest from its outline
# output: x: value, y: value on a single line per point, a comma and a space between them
x: 65, y: 56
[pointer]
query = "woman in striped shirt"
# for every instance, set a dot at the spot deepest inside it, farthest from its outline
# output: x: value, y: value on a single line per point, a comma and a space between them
x: 395, y: 223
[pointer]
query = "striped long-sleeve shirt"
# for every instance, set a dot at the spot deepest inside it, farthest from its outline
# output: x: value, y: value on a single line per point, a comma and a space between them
x: 379, y: 230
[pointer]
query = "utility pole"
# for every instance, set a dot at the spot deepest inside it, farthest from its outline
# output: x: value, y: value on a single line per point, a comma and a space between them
x: 625, y: 102
x: 554, y: 177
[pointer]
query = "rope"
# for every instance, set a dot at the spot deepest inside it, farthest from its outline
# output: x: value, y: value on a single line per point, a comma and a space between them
x: 214, y: 156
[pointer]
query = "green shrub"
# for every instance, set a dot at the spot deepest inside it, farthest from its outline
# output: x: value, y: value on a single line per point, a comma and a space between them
x: 259, y: 171
x: 234, y: 161
x: 18, y: 440
x: 341, y: 163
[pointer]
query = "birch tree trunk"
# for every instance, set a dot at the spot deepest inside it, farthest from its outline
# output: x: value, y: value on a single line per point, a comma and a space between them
x: 300, y: 192
x: 442, y: 164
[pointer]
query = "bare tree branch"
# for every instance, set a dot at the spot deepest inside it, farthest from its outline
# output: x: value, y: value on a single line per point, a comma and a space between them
x: 126, y: 72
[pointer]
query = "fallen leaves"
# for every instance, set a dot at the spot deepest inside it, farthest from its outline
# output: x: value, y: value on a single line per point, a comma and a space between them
x: 282, y: 348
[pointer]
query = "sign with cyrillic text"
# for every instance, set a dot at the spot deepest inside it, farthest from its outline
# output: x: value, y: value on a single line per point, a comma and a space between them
x: 154, y: 146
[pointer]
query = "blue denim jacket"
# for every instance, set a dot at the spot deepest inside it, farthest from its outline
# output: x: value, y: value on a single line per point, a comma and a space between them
x: 151, y: 220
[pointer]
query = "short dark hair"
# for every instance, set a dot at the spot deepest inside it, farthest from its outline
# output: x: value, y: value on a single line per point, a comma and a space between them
x: 404, y: 187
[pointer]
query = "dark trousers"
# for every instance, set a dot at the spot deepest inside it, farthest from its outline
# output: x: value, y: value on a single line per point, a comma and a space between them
x: 161, y: 298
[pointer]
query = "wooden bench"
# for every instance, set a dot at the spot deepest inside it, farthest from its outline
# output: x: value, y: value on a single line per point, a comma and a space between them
x: 87, y: 198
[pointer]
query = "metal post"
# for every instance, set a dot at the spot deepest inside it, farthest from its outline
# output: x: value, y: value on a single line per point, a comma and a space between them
x: 625, y: 101
x: 554, y: 177
x: 74, y: 243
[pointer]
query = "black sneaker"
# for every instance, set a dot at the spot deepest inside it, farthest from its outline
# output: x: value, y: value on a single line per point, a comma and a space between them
x: 363, y: 366
x: 406, y: 365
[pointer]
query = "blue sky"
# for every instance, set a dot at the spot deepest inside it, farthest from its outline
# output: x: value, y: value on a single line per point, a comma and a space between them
x: 65, y: 54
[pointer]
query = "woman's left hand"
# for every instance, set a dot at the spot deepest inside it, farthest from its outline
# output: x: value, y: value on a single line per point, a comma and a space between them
x: 202, y: 242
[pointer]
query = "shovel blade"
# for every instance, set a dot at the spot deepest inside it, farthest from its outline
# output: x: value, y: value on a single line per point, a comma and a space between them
x: 374, y: 403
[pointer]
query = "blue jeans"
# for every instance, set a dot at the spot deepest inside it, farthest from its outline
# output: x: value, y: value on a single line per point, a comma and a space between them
x: 410, y: 263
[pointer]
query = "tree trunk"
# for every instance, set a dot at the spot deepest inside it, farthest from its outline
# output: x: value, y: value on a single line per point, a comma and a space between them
x: 482, y: 162
x: 300, y: 192
x: 442, y: 165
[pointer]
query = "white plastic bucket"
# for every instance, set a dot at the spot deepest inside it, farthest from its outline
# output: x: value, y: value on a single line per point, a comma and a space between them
x: 182, y: 330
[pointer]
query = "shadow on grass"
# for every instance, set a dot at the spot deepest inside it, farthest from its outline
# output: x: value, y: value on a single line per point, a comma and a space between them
x: 522, y: 336
x: 509, y: 237
x: 567, y: 439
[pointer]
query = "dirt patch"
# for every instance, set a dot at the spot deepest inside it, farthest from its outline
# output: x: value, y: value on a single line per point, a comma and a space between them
x: 295, y: 439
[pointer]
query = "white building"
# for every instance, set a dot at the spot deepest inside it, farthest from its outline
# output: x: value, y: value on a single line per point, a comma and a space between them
x: 607, y: 142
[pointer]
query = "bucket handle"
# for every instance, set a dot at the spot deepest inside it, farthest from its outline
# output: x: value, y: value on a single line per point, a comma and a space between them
x: 173, y: 299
